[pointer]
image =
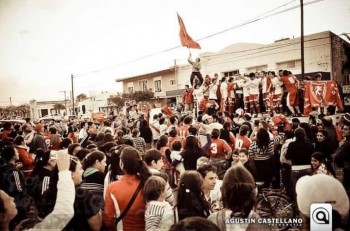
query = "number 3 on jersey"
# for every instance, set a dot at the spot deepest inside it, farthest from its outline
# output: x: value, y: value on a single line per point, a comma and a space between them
x: 214, y: 149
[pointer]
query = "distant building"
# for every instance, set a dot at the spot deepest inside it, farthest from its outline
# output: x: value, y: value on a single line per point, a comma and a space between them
x: 94, y: 103
x: 324, y: 52
x: 40, y: 109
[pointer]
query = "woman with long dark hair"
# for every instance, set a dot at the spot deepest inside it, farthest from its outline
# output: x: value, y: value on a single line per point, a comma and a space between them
x: 190, y: 198
x: 261, y: 151
x: 227, y: 135
x: 119, y: 193
x: 323, y: 145
x: 94, y: 166
x: 192, y: 151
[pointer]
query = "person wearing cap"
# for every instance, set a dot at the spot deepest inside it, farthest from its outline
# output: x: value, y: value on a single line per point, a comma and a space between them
x: 342, y: 154
x: 322, y: 188
x: 207, y: 119
x: 38, y: 139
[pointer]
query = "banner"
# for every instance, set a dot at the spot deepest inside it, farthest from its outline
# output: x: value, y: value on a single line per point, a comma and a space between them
x: 321, y: 94
x: 186, y: 40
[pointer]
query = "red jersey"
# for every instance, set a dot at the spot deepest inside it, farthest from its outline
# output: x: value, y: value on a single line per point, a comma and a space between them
x: 183, y: 131
x: 218, y: 149
x: 290, y: 82
x: 242, y: 142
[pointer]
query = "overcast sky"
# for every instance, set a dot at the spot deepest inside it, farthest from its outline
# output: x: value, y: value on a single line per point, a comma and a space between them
x: 43, y: 42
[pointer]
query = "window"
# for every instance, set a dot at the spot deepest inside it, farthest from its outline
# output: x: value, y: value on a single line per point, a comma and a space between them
x: 257, y: 68
x: 231, y: 73
x: 172, y: 82
x: 289, y: 64
x: 143, y: 85
x: 130, y: 89
x: 158, y: 86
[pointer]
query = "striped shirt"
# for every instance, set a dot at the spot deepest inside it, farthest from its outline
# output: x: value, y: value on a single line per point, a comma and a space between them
x: 159, y: 215
x: 261, y: 154
x: 139, y: 144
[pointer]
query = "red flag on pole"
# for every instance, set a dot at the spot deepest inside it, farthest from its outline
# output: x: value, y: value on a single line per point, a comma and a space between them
x: 186, y: 40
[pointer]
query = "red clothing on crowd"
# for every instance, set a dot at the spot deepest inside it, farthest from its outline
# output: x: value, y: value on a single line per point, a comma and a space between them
x: 26, y: 159
x: 117, y: 197
x: 187, y: 96
x: 242, y: 142
x: 230, y: 88
x: 218, y: 149
x: 290, y: 82
x: 6, y: 134
x: 73, y: 137
x: 183, y: 131
x: 167, y: 164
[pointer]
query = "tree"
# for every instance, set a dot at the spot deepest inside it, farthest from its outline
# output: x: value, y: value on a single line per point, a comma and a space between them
x: 139, y: 95
x: 81, y: 97
x: 117, y: 101
x: 58, y: 107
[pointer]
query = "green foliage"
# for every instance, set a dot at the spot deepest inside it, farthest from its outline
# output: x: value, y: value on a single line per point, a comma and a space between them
x: 139, y: 95
x: 118, y: 101
x: 58, y: 106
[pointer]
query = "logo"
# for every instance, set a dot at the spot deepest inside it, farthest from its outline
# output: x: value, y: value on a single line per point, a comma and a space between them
x: 318, y: 91
x: 321, y: 217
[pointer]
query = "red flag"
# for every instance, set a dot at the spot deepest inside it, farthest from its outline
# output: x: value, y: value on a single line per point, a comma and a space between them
x: 321, y: 93
x: 186, y: 40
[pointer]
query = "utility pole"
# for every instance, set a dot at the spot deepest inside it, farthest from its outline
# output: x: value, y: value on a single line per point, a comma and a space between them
x: 302, y: 38
x: 73, y: 113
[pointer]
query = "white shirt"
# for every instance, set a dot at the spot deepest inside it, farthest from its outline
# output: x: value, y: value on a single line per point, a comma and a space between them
x: 198, y: 94
x: 212, y: 91
x: 245, y: 86
x: 254, y: 86
x: 223, y: 90
x: 277, y: 85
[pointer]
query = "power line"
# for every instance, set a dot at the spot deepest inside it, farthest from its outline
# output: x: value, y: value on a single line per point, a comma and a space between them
x: 255, y: 19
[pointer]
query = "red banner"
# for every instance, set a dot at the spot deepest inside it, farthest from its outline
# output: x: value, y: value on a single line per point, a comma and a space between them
x: 186, y: 40
x: 321, y: 94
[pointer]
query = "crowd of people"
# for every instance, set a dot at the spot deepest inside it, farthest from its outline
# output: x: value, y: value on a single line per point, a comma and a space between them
x: 189, y: 171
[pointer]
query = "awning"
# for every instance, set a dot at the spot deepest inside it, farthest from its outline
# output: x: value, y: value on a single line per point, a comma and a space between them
x: 174, y: 93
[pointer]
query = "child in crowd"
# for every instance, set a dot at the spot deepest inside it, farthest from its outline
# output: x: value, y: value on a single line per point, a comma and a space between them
x: 159, y: 214
x: 319, y: 164
x: 244, y: 158
x: 235, y: 158
x: 202, y: 160
x: 176, y: 158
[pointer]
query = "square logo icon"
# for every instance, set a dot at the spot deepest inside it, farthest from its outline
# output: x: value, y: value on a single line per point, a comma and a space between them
x: 321, y: 217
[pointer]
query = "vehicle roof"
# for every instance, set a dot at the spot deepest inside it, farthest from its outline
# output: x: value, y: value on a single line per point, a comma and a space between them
x: 13, y: 121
